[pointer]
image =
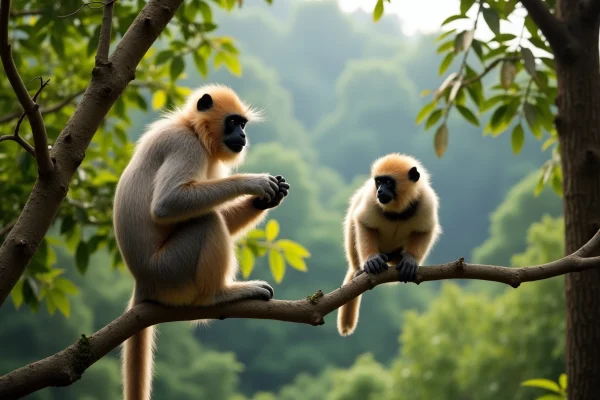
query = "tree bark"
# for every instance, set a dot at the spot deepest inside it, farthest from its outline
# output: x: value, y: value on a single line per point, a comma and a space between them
x: 578, y: 126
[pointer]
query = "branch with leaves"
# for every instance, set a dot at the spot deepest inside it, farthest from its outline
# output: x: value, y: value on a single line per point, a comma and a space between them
x: 30, y: 107
x: 67, y: 366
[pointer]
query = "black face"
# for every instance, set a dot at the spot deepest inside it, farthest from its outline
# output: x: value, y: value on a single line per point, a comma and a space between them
x: 386, y: 189
x: 234, y: 136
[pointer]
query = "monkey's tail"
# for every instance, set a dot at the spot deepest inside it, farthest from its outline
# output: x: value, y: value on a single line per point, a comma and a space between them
x: 348, y: 313
x: 137, y: 363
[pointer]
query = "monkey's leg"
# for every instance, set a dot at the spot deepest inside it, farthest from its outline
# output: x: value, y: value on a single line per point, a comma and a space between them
x: 416, y: 249
x: 347, y: 317
x: 241, y: 216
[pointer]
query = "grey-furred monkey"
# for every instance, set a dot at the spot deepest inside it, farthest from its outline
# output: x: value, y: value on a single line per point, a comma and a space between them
x: 392, y: 220
x: 177, y: 211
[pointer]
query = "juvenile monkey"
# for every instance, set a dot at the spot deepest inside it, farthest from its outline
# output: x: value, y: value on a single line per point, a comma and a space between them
x: 177, y: 211
x: 392, y: 220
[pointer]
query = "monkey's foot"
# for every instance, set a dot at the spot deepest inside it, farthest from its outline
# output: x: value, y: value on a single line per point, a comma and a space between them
x: 407, y: 268
x: 264, y: 286
x: 376, y: 264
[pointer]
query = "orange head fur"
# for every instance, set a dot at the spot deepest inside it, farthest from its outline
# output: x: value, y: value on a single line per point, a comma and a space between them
x: 209, y: 124
x: 398, y: 167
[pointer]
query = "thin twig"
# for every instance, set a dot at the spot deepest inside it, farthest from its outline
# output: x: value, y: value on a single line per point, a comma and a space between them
x: 67, y: 366
x: 88, y: 5
x: 45, y: 110
x: 488, y: 69
x: 38, y: 128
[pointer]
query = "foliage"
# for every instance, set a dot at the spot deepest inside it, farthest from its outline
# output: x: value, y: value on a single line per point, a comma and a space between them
x: 558, y: 389
x: 522, y: 98
x: 58, y: 44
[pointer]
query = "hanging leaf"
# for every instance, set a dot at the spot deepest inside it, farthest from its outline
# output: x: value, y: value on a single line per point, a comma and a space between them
x: 529, y: 60
x: 246, y: 260
x: 453, y: 18
x: 290, y: 247
x: 272, y: 230
x: 60, y: 301
x: 542, y: 384
x: 440, y: 141
x: 277, y: 265
x: 517, y: 139
x: 177, y: 67
x: 17, y: 294
x: 434, y: 117
x: 491, y: 18
x: 531, y: 117
x: 467, y: 114
x: 159, y: 98
x: 446, y: 63
x: 296, y: 262
x: 66, y: 286
x: 378, y: 11
x: 82, y: 257
x: 508, y: 71
x: 459, y: 42
x: 465, y: 5
x: 562, y: 381
x: 427, y: 108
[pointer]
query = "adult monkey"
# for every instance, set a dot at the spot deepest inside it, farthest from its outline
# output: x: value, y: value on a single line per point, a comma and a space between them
x: 177, y: 211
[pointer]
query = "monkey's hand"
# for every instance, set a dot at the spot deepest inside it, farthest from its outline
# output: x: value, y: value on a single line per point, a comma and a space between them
x: 407, y: 268
x: 283, y: 190
x: 264, y: 186
x: 376, y: 264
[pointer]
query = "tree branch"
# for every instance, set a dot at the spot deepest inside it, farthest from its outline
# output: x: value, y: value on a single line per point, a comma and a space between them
x: 487, y: 70
x: 564, y: 45
x: 69, y: 149
x: 45, y: 110
x: 104, y: 41
x: 38, y: 128
x: 67, y: 366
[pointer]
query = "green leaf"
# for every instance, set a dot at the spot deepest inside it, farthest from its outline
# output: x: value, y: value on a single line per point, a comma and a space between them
x: 531, y: 117
x: 17, y: 294
x: 378, y: 11
x: 201, y: 65
x: 232, y: 63
x: 58, y: 44
x: 562, y: 381
x: 60, y: 301
x: 548, y: 142
x: 427, y: 108
x: 449, y: 45
x: 159, y: 98
x: 82, y: 257
x: 163, y: 56
x: 504, y: 37
x: 445, y: 35
x: 177, y: 67
x: 465, y: 5
x: 542, y: 384
x: 491, y: 18
x: 67, y: 224
x: 440, y: 141
x: 256, y: 234
x: 66, y: 286
x: 434, y: 117
x: 291, y: 247
x: 246, y: 260
x: 424, y: 92
x: 272, y: 230
x: 446, y: 63
x: 517, y: 139
x: 296, y: 262
x: 205, y: 11
x: 467, y: 114
x: 453, y: 18
x: 277, y: 265
x: 550, y: 397
x: 498, y: 116
x: 529, y: 60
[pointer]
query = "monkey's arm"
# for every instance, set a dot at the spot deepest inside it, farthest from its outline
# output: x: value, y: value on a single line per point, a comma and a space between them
x: 178, y: 196
x: 368, y: 251
x: 241, y: 216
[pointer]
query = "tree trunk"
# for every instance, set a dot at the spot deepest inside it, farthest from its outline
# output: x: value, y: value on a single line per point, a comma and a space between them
x: 578, y: 125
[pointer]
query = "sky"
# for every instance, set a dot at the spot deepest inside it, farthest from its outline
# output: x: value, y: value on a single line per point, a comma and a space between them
x: 426, y: 16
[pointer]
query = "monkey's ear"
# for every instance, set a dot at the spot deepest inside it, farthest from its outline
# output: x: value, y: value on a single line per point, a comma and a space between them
x: 413, y: 174
x: 205, y: 102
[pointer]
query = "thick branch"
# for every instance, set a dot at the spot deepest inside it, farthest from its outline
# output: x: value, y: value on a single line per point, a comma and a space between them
x: 69, y: 149
x: 67, y: 366
x: 564, y: 46
x: 31, y: 108
x: 104, y: 41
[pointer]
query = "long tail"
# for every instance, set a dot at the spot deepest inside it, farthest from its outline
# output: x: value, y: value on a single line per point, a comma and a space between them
x: 137, y: 363
x: 348, y: 313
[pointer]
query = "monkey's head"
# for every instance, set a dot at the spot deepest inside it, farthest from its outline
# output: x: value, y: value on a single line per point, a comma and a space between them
x: 397, y: 180
x: 219, y: 118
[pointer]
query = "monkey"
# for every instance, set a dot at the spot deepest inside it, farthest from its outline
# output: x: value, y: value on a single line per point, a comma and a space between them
x: 392, y: 219
x: 178, y: 211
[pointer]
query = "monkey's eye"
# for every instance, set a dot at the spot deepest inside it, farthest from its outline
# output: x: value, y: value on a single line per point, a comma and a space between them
x: 243, y: 124
x: 232, y: 121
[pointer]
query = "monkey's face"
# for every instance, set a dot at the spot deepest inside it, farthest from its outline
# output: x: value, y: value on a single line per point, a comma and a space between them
x: 234, y: 137
x: 386, y: 189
